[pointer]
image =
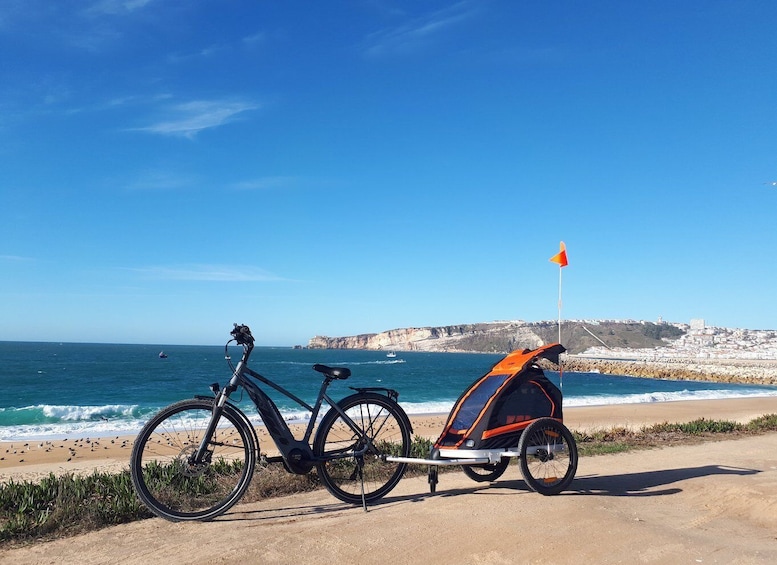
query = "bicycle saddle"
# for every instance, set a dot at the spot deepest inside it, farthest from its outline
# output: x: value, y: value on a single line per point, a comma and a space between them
x: 333, y: 372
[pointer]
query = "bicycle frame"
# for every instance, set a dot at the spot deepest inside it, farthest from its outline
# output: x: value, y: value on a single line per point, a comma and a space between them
x: 295, y: 453
x: 195, y: 458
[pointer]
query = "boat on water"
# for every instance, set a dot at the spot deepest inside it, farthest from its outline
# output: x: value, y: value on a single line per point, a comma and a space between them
x: 391, y: 354
x: 162, y: 355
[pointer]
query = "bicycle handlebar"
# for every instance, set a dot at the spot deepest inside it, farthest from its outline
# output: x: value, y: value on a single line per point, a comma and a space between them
x: 242, y: 335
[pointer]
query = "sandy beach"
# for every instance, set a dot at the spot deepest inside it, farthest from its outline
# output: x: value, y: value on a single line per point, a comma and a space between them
x: 31, y: 459
x: 714, y: 502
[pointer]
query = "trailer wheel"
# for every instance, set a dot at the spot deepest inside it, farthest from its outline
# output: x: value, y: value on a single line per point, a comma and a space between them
x: 432, y: 478
x: 548, y: 456
x: 488, y: 472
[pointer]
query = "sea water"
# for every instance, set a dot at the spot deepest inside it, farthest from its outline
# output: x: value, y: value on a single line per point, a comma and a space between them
x: 56, y: 390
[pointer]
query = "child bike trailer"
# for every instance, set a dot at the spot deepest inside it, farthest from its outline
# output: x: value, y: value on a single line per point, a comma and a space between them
x: 514, y: 410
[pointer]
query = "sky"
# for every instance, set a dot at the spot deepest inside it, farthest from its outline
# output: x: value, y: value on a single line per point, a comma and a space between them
x: 334, y: 168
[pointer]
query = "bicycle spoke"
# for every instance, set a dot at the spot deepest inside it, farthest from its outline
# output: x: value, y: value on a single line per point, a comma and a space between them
x: 381, y: 430
x: 168, y: 478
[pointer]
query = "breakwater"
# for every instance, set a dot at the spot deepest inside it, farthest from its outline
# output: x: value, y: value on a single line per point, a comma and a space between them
x: 763, y: 372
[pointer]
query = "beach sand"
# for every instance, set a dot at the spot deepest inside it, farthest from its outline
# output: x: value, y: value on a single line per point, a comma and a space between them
x: 714, y: 502
x: 33, y: 459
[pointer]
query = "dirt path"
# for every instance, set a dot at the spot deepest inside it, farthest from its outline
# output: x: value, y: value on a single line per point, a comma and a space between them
x: 707, y: 503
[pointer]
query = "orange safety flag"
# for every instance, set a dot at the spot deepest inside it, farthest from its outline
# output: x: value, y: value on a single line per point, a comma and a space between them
x: 561, y: 256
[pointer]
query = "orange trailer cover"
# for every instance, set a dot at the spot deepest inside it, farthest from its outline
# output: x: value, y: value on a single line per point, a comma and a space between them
x: 497, y: 407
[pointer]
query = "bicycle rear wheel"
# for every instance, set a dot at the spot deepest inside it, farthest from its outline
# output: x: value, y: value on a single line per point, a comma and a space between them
x: 167, y: 479
x: 355, y: 456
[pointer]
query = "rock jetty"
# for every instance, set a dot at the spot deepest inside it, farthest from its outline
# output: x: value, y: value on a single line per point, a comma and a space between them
x: 762, y: 372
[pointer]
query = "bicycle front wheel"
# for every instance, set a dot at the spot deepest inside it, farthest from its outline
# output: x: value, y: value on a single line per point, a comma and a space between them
x: 353, y: 456
x: 168, y: 479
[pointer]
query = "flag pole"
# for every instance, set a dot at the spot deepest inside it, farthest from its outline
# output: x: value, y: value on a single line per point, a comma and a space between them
x: 559, y: 304
x: 560, y: 259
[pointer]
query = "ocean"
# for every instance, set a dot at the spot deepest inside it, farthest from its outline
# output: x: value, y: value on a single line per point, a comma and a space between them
x: 58, y: 390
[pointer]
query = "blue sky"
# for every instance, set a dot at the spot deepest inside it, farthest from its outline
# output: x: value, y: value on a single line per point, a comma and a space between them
x: 343, y: 167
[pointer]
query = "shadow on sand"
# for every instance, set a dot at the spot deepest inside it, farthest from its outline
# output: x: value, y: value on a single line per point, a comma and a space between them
x: 648, y: 483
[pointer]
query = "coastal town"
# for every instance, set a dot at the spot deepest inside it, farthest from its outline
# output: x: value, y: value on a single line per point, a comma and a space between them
x: 701, y: 341
x: 701, y: 353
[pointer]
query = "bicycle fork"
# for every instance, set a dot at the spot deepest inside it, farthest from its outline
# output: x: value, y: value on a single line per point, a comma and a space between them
x: 202, y: 455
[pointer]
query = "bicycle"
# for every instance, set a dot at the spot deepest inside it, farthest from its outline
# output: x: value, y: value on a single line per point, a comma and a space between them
x: 195, y: 459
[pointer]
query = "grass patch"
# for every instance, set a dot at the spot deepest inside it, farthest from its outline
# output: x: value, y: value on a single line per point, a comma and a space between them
x: 603, y: 442
x: 65, y: 505
x: 614, y: 440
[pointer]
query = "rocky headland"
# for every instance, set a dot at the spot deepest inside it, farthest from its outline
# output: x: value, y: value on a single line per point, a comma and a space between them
x: 635, y: 348
x: 506, y: 336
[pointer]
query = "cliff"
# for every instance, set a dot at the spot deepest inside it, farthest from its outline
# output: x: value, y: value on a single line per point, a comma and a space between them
x: 503, y: 337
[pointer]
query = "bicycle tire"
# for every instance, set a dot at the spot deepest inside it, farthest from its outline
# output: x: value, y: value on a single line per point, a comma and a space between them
x: 174, y: 489
x: 548, y: 455
x: 385, y: 424
x: 488, y: 472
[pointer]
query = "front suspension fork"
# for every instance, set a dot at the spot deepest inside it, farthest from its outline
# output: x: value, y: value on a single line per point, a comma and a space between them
x: 218, y: 409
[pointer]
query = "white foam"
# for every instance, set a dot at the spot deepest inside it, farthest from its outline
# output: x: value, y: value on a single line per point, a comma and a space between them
x: 420, y: 408
x: 80, y: 429
x: 651, y: 397
x: 75, y: 422
x: 79, y: 413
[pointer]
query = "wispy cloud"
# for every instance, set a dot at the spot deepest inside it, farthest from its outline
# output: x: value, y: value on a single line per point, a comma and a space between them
x: 161, y: 180
x: 256, y: 38
x: 190, y: 118
x: 136, y: 100
x: 117, y: 7
x: 207, y: 272
x: 103, y: 24
x: 16, y: 259
x: 418, y: 33
x: 265, y: 183
x: 89, y: 25
x: 204, y: 52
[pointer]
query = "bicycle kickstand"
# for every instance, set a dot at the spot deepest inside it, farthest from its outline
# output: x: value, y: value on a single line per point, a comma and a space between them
x: 360, y: 467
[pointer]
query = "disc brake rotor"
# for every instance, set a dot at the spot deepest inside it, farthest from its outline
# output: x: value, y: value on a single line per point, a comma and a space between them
x: 186, y: 462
